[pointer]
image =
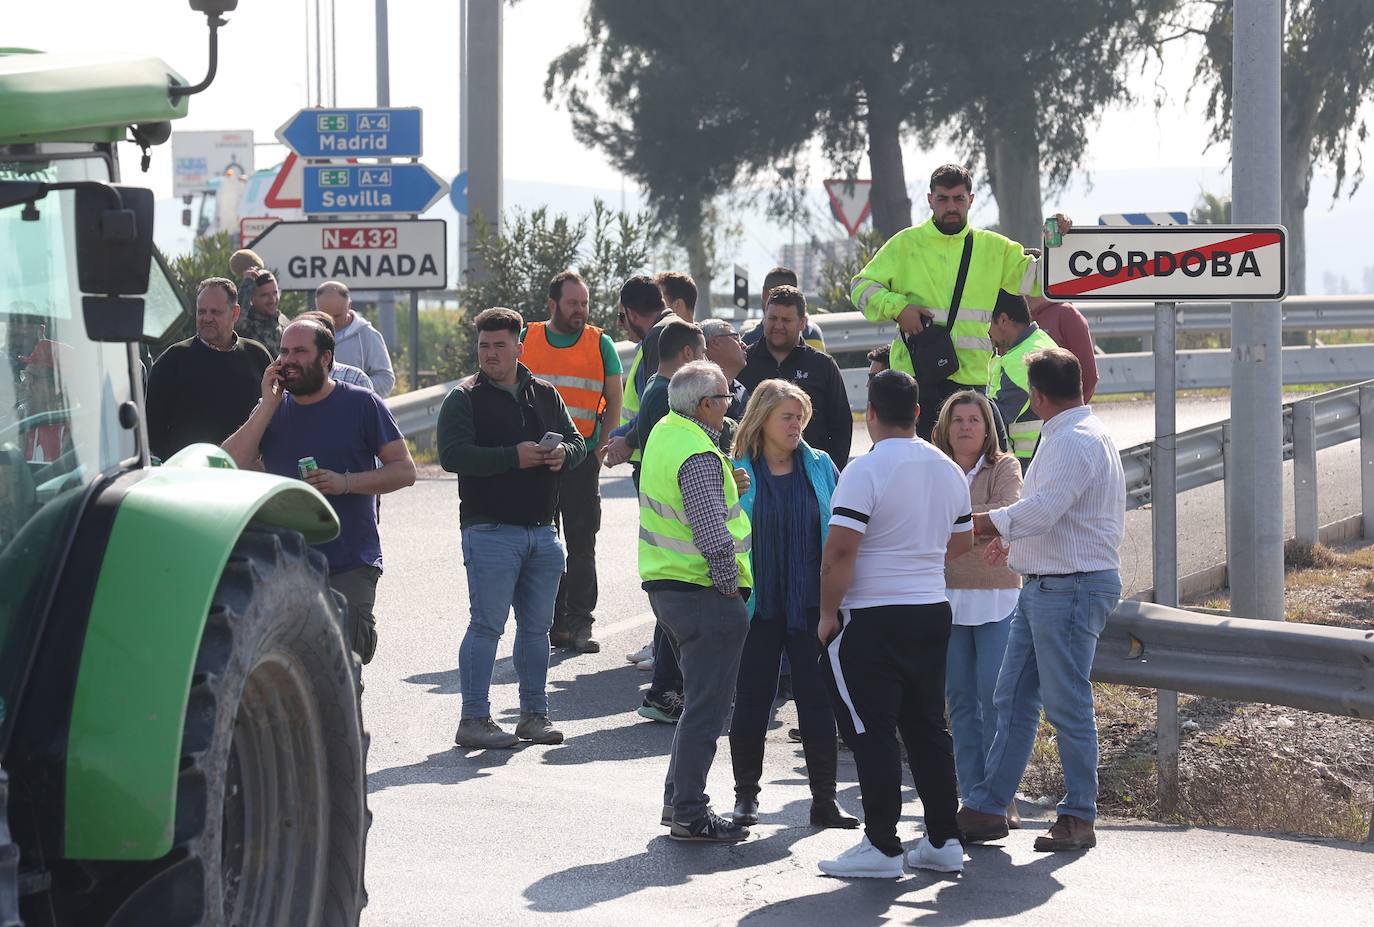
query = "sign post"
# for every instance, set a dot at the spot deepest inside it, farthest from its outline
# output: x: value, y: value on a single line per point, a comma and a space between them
x: 1167, y: 264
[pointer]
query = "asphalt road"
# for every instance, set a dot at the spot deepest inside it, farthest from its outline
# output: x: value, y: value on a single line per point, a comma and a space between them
x: 569, y: 834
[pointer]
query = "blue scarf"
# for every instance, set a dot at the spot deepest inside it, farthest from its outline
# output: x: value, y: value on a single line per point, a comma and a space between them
x: 785, y: 527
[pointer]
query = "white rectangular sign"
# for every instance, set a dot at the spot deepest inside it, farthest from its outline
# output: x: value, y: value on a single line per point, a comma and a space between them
x: 252, y: 227
x: 405, y: 254
x: 200, y: 157
x: 1169, y: 263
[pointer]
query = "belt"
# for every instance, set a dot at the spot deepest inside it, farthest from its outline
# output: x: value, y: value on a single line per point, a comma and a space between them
x: 1035, y: 576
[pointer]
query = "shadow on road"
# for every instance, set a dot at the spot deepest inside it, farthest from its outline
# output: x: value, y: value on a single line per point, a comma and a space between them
x: 636, y: 739
x: 991, y: 888
x: 664, y: 863
x: 447, y: 767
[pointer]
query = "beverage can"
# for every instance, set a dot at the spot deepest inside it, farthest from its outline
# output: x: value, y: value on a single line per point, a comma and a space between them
x: 306, y: 464
x: 1053, y: 237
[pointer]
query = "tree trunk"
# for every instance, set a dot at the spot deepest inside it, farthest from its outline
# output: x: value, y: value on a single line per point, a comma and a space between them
x: 1295, y: 173
x: 891, y: 207
x: 695, y: 239
x: 1012, y: 150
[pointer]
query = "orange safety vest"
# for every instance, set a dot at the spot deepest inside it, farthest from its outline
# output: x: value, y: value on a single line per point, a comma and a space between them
x: 577, y: 372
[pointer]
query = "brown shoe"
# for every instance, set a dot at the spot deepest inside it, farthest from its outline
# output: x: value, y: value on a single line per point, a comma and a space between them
x: 1068, y: 833
x: 978, y: 827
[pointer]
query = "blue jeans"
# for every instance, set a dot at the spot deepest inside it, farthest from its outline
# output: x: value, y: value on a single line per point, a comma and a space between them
x: 1050, y: 650
x: 509, y: 566
x: 971, y: 670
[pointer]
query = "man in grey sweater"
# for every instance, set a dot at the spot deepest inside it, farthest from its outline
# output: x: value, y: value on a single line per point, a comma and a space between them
x: 357, y: 342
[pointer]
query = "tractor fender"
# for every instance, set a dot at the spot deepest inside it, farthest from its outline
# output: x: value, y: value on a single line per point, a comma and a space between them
x: 168, y: 546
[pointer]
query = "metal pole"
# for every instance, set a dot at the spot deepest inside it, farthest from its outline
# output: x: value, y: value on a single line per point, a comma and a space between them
x: 1367, y: 461
x: 1164, y: 530
x: 1306, y: 521
x: 319, y: 79
x: 1256, y: 560
x: 333, y: 58
x: 482, y: 127
x: 414, y: 339
x: 386, y: 299
x: 461, y: 237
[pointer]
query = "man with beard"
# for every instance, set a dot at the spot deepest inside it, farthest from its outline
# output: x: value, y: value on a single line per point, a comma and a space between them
x: 643, y: 315
x: 201, y: 389
x: 581, y: 362
x: 913, y: 278
x: 260, y: 320
x: 348, y: 430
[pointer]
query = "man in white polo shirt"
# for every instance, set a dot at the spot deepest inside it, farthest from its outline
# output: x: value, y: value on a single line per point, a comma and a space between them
x: 898, y: 513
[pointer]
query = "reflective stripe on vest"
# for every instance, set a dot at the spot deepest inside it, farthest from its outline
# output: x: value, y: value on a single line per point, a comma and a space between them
x: 1023, y: 431
x: 577, y: 372
x: 666, y: 548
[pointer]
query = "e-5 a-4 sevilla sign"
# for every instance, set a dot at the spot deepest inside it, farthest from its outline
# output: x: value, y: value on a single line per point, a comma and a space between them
x: 404, y: 254
x: 1169, y: 263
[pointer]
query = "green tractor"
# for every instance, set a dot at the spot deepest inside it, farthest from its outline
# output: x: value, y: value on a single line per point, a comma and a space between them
x: 181, y: 740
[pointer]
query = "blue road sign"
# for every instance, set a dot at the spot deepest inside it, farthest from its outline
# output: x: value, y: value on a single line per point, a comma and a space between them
x: 458, y: 193
x: 350, y: 189
x: 351, y: 133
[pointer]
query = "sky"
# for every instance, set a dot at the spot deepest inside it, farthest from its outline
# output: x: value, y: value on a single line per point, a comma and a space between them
x: 1152, y: 158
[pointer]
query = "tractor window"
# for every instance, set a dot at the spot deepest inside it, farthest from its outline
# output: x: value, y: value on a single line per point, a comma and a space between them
x: 59, y: 400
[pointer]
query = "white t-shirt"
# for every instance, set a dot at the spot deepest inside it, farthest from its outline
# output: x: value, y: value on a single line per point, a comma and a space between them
x: 906, y: 498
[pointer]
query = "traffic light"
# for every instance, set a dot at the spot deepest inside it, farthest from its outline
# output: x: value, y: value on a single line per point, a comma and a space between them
x: 741, y: 288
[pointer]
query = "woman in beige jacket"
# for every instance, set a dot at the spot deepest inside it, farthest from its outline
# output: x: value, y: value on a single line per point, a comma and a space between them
x: 982, y: 597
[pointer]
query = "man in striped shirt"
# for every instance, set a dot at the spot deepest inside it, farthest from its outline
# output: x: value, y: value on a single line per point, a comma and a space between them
x: 1064, y: 536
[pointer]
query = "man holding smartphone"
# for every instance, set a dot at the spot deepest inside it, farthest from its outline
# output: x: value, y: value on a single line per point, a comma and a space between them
x: 507, y: 434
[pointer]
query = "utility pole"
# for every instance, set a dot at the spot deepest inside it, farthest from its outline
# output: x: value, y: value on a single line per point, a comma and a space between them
x: 386, y: 299
x: 481, y: 115
x: 1255, y: 495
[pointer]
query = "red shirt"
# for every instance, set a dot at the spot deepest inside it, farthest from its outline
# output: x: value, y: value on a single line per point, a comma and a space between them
x: 1069, y: 329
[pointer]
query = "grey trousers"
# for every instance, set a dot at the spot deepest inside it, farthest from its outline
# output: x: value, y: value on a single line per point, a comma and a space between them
x: 709, y: 629
x: 359, y: 587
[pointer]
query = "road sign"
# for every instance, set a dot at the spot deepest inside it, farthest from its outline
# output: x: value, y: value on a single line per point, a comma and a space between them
x: 341, y: 189
x: 252, y: 227
x: 849, y: 202
x: 458, y: 193
x: 1143, y: 218
x: 368, y: 133
x: 403, y: 254
x: 200, y: 157
x: 1169, y: 263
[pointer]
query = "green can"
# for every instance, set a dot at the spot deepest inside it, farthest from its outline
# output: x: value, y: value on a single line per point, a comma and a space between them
x: 1053, y: 237
x: 306, y: 464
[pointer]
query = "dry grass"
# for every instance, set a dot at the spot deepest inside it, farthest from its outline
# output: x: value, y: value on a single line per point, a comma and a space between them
x: 1252, y: 767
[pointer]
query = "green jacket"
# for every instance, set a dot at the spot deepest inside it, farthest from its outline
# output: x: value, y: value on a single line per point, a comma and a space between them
x: 918, y: 266
x: 1009, y: 389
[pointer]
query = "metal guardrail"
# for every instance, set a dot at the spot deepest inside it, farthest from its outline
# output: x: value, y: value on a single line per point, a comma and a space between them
x: 1311, y: 667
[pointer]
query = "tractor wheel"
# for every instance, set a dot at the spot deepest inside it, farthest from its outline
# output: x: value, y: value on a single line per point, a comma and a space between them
x: 271, y: 817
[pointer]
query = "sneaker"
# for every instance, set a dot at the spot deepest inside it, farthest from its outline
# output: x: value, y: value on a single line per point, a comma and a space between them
x: 709, y: 828
x: 666, y: 707
x: 639, y: 656
x: 948, y: 858
x: 864, y: 861
x: 483, y: 734
x: 537, y: 729
x: 645, y: 666
x: 583, y: 642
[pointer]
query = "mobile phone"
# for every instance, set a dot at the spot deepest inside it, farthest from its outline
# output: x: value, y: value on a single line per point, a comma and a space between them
x: 550, y: 440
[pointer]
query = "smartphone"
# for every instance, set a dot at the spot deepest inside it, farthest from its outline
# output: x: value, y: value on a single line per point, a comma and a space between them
x: 550, y: 440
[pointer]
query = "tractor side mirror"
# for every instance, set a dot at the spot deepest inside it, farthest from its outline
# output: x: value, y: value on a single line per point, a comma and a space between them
x: 114, y: 255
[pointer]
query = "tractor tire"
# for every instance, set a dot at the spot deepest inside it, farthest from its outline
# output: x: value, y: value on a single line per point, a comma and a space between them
x: 271, y: 816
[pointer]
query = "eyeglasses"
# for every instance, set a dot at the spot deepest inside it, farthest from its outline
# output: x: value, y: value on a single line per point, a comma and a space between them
x: 719, y: 396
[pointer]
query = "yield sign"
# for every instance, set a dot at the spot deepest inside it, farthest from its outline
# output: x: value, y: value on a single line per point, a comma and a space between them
x: 289, y: 185
x: 849, y: 202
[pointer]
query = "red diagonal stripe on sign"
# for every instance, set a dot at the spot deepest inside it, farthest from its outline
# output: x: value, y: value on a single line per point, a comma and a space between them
x: 1249, y: 242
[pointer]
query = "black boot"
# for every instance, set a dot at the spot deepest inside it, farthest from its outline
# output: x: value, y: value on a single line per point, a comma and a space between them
x: 746, y: 755
x: 821, y: 760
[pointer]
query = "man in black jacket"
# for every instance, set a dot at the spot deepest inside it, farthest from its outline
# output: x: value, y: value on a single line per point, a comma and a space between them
x: 781, y: 355
x: 489, y: 434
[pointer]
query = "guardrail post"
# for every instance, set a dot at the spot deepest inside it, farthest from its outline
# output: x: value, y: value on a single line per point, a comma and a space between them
x: 1306, y: 522
x: 1367, y: 462
x: 1164, y: 525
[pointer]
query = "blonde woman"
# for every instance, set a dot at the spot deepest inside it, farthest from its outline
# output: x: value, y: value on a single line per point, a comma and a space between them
x: 788, y: 503
x: 982, y: 597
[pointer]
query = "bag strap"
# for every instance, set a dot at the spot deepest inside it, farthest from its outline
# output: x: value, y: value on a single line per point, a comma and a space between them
x: 959, y: 280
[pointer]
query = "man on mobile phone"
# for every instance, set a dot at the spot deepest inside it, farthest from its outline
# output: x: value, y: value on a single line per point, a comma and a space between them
x: 491, y: 428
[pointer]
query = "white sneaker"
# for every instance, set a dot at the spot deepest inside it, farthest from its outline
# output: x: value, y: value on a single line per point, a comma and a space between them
x: 864, y: 861
x: 645, y: 666
x: 643, y: 653
x: 948, y: 858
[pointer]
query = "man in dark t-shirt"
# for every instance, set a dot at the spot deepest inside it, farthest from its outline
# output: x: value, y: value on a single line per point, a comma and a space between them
x: 348, y: 431
x: 202, y: 389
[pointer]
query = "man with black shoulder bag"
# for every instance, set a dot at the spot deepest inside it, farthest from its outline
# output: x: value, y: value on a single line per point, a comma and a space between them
x: 943, y: 262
